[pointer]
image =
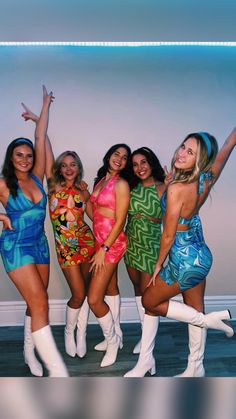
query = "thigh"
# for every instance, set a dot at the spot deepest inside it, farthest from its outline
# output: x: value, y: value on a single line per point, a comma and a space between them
x: 194, y: 297
x: 75, y: 279
x: 100, y: 281
x: 28, y: 281
x: 85, y: 266
x: 43, y: 270
x: 112, y: 288
x: 134, y: 275
x: 157, y: 295
x: 145, y: 278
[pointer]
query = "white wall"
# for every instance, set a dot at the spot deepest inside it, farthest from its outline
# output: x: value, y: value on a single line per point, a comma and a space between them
x: 143, y: 96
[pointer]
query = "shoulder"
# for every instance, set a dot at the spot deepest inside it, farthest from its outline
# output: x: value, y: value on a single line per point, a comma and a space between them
x: 176, y: 191
x: 121, y: 184
x: 3, y: 185
x: 2, y: 182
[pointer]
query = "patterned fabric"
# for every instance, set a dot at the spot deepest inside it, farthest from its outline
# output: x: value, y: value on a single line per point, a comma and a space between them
x: 189, y: 258
x: 73, y: 238
x: 27, y: 243
x: 102, y: 225
x: 143, y: 234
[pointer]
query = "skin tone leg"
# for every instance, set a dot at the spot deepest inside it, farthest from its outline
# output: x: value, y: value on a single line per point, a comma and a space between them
x: 156, y: 297
x: 98, y: 287
x: 112, y: 288
x: 139, y: 279
x: 86, y: 274
x: 75, y: 280
x: 28, y: 281
x: 43, y: 270
x: 194, y: 297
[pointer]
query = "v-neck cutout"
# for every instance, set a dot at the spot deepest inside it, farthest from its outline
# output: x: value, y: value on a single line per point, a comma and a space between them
x: 97, y: 194
x: 26, y: 197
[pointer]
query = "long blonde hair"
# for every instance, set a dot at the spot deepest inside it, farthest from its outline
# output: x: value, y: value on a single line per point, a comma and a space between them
x: 57, y: 178
x: 206, y: 153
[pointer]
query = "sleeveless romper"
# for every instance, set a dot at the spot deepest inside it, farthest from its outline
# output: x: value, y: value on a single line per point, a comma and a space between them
x: 143, y: 234
x: 102, y: 224
x: 74, y: 239
x: 189, y: 258
x: 27, y: 243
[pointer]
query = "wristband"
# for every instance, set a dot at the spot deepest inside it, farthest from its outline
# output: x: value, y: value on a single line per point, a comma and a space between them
x: 105, y: 247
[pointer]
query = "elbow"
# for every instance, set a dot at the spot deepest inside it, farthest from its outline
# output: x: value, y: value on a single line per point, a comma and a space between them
x: 168, y: 239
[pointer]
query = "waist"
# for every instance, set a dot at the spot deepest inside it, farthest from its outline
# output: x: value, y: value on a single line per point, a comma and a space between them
x: 153, y: 219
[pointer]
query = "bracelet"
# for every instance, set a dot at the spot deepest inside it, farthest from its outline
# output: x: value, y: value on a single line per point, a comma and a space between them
x: 105, y: 247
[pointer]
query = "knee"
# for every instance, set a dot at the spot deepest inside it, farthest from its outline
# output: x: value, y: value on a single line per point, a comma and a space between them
x: 77, y: 300
x: 39, y: 305
x: 93, y: 301
x: 146, y: 302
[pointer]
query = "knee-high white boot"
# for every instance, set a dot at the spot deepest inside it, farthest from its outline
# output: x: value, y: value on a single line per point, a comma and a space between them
x: 112, y: 339
x: 141, y: 313
x: 187, y: 314
x: 113, y: 301
x: 48, y: 352
x: 69, y: 334
x: 29, y: 355
x: 197, y: 342
x: 82, y: 328
x: 146, y: 362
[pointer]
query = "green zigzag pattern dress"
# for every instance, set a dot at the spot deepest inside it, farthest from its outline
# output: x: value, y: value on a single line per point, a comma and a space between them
x: 143, y: 234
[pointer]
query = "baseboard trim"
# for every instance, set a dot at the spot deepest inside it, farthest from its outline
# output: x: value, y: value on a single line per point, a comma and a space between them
x: 12, y: 312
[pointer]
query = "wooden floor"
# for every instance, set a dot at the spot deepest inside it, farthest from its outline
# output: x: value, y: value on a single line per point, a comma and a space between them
x: 170, y: 352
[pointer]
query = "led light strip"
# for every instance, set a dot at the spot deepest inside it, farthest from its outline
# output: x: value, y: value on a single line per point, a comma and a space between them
x: 116, y: 44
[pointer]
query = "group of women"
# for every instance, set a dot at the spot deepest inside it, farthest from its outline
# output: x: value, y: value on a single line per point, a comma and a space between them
x: 163, y: 222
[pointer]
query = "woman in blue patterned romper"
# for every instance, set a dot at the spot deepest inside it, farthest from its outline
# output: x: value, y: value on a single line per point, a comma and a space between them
x: 196, y: 166
x: 23, y: 244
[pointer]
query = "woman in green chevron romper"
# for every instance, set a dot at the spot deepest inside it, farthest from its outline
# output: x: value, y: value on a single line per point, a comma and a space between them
x: 144, y: 223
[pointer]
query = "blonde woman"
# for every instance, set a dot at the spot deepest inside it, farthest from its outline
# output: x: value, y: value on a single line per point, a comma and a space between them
x: 196, y: 167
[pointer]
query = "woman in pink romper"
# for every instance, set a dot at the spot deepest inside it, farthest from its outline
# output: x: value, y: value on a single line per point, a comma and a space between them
x: 108, y: 208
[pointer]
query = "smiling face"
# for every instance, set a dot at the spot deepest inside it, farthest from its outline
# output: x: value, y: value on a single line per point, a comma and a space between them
x: 22, y: 158
x: 118, y: 160
x: 69, y: 169
x: 186, y: 155
x: 141, y: 167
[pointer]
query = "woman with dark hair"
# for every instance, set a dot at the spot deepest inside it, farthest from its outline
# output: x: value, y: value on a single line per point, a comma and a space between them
x: 74, y: 239
x: 144, y: 223
x: 23, y: 244
x: 108, y: 209
x: 196, y: 166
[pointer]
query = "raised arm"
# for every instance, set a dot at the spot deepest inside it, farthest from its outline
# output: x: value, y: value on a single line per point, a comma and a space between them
x: 49, y: 157
x: 223, y: 155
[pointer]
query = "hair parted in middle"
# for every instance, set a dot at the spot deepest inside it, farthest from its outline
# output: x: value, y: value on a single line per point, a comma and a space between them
x: 8, y: 170
x: 153, y: 161
x: 125, y: 173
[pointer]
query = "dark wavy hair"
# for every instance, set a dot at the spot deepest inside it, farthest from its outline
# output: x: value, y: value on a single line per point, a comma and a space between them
x: 157, y: 170
x: 8, y: 170
x: 125, y: 173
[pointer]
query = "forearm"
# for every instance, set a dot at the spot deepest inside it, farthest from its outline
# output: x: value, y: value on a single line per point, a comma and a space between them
x: 165, y: 246
x: 114, y: 233
x: 223, y: 155
x: 42, y: 123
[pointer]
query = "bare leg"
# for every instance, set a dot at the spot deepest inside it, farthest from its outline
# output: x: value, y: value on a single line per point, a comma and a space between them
x: 28, y: 281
